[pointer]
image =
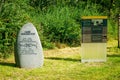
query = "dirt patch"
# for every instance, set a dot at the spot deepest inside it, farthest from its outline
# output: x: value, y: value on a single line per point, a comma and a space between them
x: 67, y: 50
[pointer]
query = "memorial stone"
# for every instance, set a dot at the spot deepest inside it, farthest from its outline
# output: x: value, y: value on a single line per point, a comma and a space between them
x: 29, y: 53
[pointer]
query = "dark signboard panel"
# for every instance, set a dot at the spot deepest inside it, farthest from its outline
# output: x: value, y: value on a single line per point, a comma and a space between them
x: 94, y: 30
x: 104, y: 31
x: 86, y: 30
x: 86, y: 22
x: 97, y: 30
x: 86, y: 38
x: 96, y: 38
x: 104, y: 22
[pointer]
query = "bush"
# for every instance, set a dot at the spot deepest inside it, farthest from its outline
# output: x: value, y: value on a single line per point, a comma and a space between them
x: 12, y: 17
x: 57, y: 21
x: 59, y: 25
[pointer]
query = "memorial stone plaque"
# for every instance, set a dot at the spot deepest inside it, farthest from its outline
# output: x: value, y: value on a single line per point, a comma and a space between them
x: 29, y: 49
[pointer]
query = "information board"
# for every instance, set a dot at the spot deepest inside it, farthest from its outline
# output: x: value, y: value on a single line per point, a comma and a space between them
x: 94, y: 30
x: 94, y: 38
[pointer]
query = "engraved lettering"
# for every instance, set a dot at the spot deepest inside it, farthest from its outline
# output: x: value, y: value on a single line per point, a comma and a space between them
x: 27, y: 33
x: 27, y: 46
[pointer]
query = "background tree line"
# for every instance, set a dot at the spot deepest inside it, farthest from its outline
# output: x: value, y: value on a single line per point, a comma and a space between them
x: 57, y: 21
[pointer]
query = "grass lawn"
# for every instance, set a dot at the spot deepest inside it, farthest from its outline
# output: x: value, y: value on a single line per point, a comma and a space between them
x: 64, y: 64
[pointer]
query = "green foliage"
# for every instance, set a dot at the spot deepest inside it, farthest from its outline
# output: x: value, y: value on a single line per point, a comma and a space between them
x: 90, y: 9
x: 62, y: 23
x: 57, y: 21
x: 112, y: 29
x: 12, y: 17
x: 58, y: 25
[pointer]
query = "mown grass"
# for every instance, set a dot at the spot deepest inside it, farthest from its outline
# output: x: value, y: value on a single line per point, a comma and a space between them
x: 63, y: 64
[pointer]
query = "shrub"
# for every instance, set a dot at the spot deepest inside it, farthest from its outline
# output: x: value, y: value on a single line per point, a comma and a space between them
x: 12, y: 17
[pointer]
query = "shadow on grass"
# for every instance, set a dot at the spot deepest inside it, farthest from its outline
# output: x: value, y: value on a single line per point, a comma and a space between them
x: 113, y: 55
x: 65, y: 59
x: 7, y: 64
